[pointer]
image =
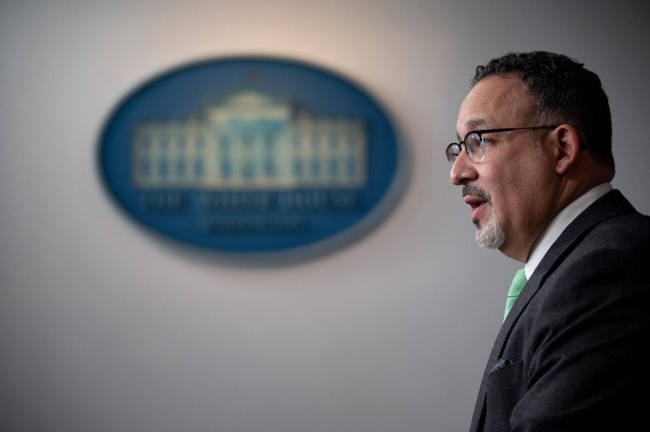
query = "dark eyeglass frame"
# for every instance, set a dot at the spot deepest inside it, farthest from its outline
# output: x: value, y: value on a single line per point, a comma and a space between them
x: 453, y: 150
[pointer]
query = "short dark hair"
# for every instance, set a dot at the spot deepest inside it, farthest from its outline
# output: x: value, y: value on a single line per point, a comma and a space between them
x: 564, y: 92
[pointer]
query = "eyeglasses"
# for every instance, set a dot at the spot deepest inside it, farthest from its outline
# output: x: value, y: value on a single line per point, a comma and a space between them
x: 475, y: 145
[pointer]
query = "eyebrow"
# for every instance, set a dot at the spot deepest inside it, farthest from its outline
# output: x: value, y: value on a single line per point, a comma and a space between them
x: 474, y: 124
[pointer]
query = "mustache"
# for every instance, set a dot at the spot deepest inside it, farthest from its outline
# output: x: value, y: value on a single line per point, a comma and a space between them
x: 476, y: 191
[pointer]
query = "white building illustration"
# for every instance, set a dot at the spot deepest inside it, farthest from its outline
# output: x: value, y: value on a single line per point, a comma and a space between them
x: 250, y: 141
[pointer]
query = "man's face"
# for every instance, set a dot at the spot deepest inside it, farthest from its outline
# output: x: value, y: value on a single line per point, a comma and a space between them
x: 511, y: 191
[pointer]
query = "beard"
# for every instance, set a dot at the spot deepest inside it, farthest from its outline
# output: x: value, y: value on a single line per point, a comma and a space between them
x: 489, y: 236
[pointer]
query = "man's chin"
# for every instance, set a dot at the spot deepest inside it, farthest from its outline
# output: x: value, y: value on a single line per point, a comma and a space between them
x: 490, y: 236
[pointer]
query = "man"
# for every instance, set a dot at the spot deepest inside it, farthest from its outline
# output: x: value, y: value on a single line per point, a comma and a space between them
x: 535, y: 165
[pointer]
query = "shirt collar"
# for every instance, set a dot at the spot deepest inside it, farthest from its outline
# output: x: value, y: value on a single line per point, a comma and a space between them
x: 559, y: 224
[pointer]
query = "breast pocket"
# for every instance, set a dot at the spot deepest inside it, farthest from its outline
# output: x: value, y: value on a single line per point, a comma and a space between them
x: 504, y: 386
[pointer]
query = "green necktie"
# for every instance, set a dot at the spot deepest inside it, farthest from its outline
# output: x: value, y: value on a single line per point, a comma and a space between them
x: 517, y: 285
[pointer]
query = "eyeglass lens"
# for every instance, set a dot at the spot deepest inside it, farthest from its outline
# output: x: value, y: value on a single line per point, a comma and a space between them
x: 453, y: 150
x: 473, y: 144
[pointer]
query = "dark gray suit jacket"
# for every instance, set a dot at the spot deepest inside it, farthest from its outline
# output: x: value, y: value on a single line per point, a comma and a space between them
x: 571, y: 354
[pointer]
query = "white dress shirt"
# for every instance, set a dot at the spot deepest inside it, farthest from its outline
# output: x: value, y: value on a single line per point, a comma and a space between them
x: 559, y: 224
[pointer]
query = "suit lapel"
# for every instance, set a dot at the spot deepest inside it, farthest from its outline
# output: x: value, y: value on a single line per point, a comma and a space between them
x: 611, y: 204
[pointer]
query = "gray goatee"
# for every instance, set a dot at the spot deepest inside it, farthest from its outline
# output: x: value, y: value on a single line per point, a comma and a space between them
x: 489, y: 236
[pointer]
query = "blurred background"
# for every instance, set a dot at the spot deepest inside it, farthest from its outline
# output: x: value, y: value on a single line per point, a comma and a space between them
x: 104, y: 327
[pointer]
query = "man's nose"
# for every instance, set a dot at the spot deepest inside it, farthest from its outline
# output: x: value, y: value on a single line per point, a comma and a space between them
x: 462, y: 170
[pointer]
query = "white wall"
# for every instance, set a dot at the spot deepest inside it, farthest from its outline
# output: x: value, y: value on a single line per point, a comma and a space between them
x: 106, y: 328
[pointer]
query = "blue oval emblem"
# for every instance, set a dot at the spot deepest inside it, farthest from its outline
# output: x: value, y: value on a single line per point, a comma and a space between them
x: 252, y: 155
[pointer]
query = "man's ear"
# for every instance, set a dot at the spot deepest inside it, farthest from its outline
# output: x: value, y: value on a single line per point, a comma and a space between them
x: 566, y: 143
